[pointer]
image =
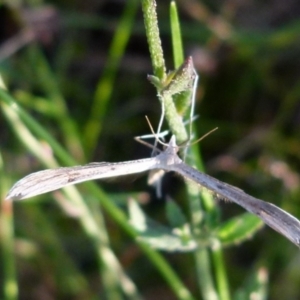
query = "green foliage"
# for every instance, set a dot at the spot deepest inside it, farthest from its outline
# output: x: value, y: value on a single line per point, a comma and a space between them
x: 78, y: 92
x: 159, y: 236
x: 238, y: 229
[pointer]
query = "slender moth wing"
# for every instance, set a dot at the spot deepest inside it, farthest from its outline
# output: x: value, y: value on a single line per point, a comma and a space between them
x: 273, y: 216
x: 53, y: 179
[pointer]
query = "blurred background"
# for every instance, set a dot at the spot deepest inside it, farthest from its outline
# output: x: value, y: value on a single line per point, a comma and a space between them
x: 80, y: 69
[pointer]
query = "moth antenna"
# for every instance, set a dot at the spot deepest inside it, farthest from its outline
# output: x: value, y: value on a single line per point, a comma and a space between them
x: 154, y: 134
x: 204, y: 136
x: 138, y: 139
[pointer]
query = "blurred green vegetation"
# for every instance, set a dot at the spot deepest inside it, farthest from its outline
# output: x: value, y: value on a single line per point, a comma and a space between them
x: 78, y: 71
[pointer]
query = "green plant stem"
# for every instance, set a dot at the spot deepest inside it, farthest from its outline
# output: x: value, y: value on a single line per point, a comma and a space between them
x: 176, y: 125
x: 9, y: 280
x: 221, y: 277
x: 106, y: 85
x: 154, y: 42
x: 204, y: 271
x: 174, y: 120
x: 176, y: 36
x: 201, y: 255
x: 49, y: 84
x: 65, y: 272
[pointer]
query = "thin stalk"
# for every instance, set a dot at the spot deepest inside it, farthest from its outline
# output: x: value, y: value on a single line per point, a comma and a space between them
x: 221, y: 276
x: 175, y: 122
x: 48, y: 83
x: 154, y: 42
x: 176, y: 36
x: 106, y: 85
x: 9, y: 280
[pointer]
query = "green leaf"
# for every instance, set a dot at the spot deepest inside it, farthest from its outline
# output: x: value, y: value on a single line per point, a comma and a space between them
x: 159, y: 236
x: 163, y: 238
x: 238, y: 229
x: 136, y: 216
x: 176, y: 35
x: 175, y: 215
x: 155, y: 81
x: 180, y: 81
